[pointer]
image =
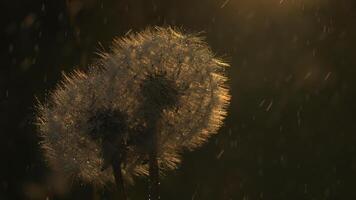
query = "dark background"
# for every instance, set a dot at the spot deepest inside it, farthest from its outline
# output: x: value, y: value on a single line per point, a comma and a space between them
x: 290, y: 133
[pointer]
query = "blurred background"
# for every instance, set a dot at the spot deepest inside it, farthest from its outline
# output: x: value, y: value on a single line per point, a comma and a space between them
x: 290, y: 132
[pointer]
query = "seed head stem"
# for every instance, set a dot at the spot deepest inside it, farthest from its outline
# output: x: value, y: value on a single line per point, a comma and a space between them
x: 154, y: 169
x: 116, y: 166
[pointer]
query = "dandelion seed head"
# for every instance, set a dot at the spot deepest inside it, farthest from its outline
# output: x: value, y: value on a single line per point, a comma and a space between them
x: 162, y: 72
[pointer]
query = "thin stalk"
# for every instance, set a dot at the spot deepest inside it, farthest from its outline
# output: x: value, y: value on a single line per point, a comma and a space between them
x: 153, y: 169
x: 116, y: 166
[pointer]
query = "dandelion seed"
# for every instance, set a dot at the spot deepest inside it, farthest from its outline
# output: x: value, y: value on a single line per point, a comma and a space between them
x: 156, y: 93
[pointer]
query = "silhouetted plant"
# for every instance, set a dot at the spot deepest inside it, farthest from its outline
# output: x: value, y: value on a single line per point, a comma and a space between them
x: 156, y: 93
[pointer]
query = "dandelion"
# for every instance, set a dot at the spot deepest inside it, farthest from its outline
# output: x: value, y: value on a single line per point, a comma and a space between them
x: 153, y: 95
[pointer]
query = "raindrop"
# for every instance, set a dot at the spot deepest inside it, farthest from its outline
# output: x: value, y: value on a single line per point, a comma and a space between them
x: 43, y: 8
x: 60, y: 17
x: 245, y: 197
x: 36, y: 48
x: 224, y: 4
x: 11, y: 48
x: 220, y: 154
x: 261, y: 103
x: 327, y: 76
x: 298, y: 116
x: 305, y: 188
x: 307, y: 75
x: 269, y: 106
